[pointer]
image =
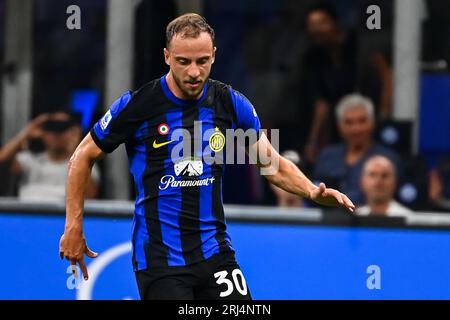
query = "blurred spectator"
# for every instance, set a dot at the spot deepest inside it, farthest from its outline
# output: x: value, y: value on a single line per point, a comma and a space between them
x: 340, y: 165
x: 286, y: 199
x: 439, y: 190
x: 272, y: 47
x: 332, y: 69
x: 42, y: 175
x: 379, y: 183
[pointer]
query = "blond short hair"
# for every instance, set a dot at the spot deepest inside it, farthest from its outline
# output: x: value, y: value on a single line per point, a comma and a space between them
x: 188, y: 25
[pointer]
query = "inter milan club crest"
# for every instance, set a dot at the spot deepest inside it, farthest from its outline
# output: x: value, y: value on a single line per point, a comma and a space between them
x: 217, y: 141
x: 163, y: 129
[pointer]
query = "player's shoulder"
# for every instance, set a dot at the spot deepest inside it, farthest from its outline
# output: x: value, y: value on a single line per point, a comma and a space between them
x: 218, y: 85
x: 137, y: 102
x: 219, y: 89
x: 226, y: 91
x: 148, y: 91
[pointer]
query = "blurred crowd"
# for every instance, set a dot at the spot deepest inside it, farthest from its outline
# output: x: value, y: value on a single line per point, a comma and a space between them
x: 37, y: 157
x: 326, y: 82
x: 311, y: 69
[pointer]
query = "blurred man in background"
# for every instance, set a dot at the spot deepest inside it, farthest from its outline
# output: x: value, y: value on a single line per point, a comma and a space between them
x: 341, y: 165
x: 42, y: 175
x: 439, y: 181
x: 332, y: 70
x: 379, y: 183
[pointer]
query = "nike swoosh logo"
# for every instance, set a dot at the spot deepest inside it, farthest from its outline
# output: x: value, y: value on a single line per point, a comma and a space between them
x: 162, y: 144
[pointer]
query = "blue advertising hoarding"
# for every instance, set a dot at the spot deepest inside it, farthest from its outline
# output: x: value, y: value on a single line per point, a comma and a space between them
x: 279, y: 261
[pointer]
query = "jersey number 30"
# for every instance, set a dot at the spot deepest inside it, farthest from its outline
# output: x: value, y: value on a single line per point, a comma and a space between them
x: 222, y: 279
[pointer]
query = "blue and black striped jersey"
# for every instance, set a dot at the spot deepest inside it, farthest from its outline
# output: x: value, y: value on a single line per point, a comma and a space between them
x: 179, y: 218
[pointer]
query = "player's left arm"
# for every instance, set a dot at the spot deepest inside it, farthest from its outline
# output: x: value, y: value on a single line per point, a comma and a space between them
x: 286, y: 175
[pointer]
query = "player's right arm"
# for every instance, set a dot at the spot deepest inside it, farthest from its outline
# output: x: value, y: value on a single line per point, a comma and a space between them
x: 73, y: 245
x: 106, y: 135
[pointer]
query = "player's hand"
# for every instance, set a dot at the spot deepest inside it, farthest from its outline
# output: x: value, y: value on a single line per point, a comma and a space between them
x: 73, y: 247
x: 331, y: 197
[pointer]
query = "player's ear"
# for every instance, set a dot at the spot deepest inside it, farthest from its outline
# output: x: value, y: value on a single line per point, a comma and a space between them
x: 167, y: 56
x: 214, y: 55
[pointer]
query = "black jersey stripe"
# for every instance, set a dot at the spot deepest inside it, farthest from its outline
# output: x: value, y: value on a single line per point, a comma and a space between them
x: 218, y: 171
x: 156, y: 250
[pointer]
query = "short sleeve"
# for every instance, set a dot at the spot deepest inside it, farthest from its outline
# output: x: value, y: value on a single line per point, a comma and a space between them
x: 246, y: 115
x: 115, y: 126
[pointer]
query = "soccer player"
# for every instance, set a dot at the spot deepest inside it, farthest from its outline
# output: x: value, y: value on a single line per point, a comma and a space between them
x: 181, y: 249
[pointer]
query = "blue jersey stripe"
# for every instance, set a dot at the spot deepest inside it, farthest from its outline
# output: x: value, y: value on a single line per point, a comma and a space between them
x: 137, y: 155
x: 170, y: 199
x: 207, y: 220
x: 245, y: 112
x: 137, y: 161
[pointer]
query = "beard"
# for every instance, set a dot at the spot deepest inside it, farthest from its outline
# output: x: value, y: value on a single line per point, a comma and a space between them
x: 189, y: 93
